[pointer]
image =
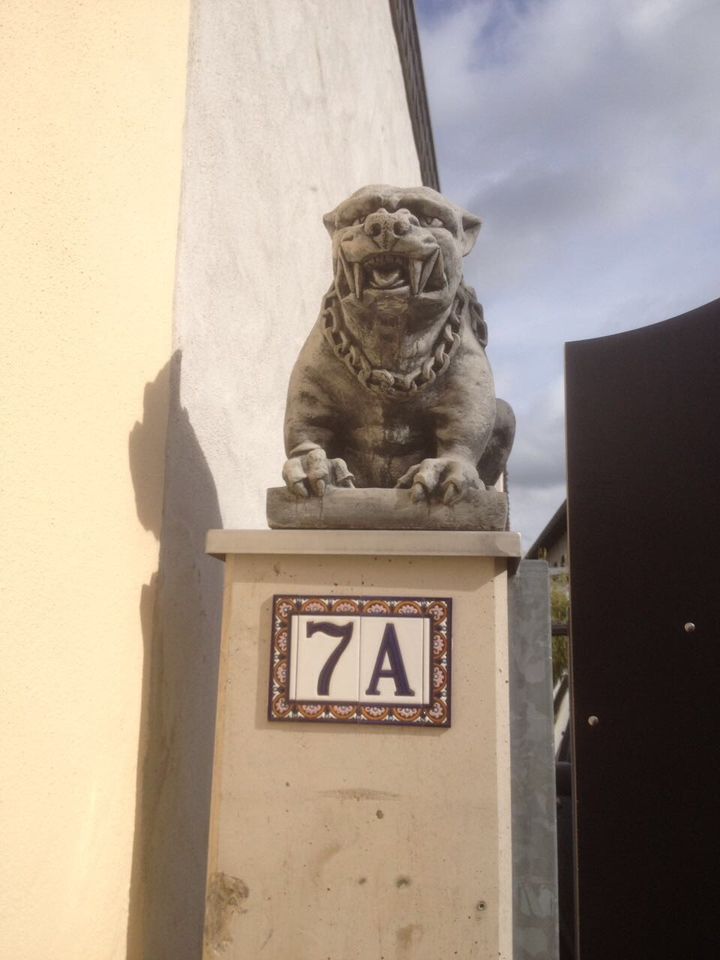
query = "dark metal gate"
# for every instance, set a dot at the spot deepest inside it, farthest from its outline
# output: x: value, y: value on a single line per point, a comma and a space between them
x: 643, y: 414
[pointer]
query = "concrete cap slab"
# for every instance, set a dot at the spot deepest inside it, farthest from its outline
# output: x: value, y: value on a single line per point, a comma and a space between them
x: 403, y: 543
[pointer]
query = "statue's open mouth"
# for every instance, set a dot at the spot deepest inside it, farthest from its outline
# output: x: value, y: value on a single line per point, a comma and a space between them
x: 392, y: 272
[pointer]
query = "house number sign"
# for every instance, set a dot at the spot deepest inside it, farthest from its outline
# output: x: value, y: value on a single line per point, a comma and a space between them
x: 361, y: 660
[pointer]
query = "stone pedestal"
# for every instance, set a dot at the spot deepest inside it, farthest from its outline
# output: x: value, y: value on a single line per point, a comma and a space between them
x: 334, y: 841
x: 378, y: 508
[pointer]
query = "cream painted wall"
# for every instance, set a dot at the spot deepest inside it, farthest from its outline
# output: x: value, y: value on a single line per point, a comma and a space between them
x: 92, y: 115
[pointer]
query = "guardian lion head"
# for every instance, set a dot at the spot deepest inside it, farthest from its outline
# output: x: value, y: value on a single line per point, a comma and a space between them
x: 397, y: 259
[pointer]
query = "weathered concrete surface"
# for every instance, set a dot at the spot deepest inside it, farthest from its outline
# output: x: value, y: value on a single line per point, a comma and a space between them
x: 356, y: 843
x: 535, y: 904
x: 376, y: 508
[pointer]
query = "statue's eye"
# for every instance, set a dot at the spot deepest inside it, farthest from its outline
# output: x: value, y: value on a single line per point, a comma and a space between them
x: 357, y: 222
x: 431, y: 222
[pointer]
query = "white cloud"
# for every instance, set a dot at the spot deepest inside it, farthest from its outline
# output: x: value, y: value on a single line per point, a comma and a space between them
x: 585, y: 135
x: 538, y: 457
x: 530, y: 514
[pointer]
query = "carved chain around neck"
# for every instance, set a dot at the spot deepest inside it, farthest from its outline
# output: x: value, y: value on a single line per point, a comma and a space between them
x: 388, y: 383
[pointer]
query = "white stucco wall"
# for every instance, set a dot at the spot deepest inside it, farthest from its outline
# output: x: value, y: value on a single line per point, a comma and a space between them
x: 292, y: 105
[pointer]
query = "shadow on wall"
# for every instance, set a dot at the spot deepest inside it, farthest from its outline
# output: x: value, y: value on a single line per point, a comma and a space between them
x: 180, y: 613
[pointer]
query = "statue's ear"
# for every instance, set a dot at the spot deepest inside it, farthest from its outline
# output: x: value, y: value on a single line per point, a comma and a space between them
x: 471, y: 228
x: 330, y: 221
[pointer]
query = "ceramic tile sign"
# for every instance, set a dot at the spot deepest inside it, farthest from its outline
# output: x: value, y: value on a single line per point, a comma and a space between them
x: 361, y: 660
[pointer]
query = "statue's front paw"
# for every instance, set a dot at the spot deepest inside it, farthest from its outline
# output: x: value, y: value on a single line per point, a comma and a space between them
x: 310, y: 472
x: 442, y: 478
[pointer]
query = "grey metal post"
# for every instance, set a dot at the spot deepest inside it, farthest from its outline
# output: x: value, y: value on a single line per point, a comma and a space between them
x: 535, y: 898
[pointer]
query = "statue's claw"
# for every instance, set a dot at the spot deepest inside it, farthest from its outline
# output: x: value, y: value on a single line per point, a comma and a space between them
x: 299, y: 489
x: 451, y: 493
x: 418, y: 493
x: 441, y: 478
x: 341, y: 474
x: 310, y: 473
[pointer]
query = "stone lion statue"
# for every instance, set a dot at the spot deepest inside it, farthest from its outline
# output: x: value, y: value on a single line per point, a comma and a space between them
x: 392, y: 387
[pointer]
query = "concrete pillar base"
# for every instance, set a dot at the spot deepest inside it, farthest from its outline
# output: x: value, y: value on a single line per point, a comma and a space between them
x: 354, y: 841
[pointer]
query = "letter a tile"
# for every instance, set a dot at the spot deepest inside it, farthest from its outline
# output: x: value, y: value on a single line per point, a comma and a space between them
x: 395, y: 660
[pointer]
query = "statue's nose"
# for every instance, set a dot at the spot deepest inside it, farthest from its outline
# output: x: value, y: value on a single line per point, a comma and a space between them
x: 385, y: 227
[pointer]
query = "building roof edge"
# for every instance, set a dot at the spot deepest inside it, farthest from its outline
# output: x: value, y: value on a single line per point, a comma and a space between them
x: 408, y: 42
x: 555, y: 527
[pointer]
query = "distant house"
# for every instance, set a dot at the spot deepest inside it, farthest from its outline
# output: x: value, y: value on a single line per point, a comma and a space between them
x: 552, y: 544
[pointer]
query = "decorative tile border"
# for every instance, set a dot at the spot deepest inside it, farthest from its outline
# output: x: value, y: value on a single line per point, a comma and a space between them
x: 435, y: 611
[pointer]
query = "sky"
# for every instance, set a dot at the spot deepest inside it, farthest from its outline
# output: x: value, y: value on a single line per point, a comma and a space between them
x: 586, y: 135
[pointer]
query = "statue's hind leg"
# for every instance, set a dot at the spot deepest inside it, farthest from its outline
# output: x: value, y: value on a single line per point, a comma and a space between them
x: 492, y: 462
